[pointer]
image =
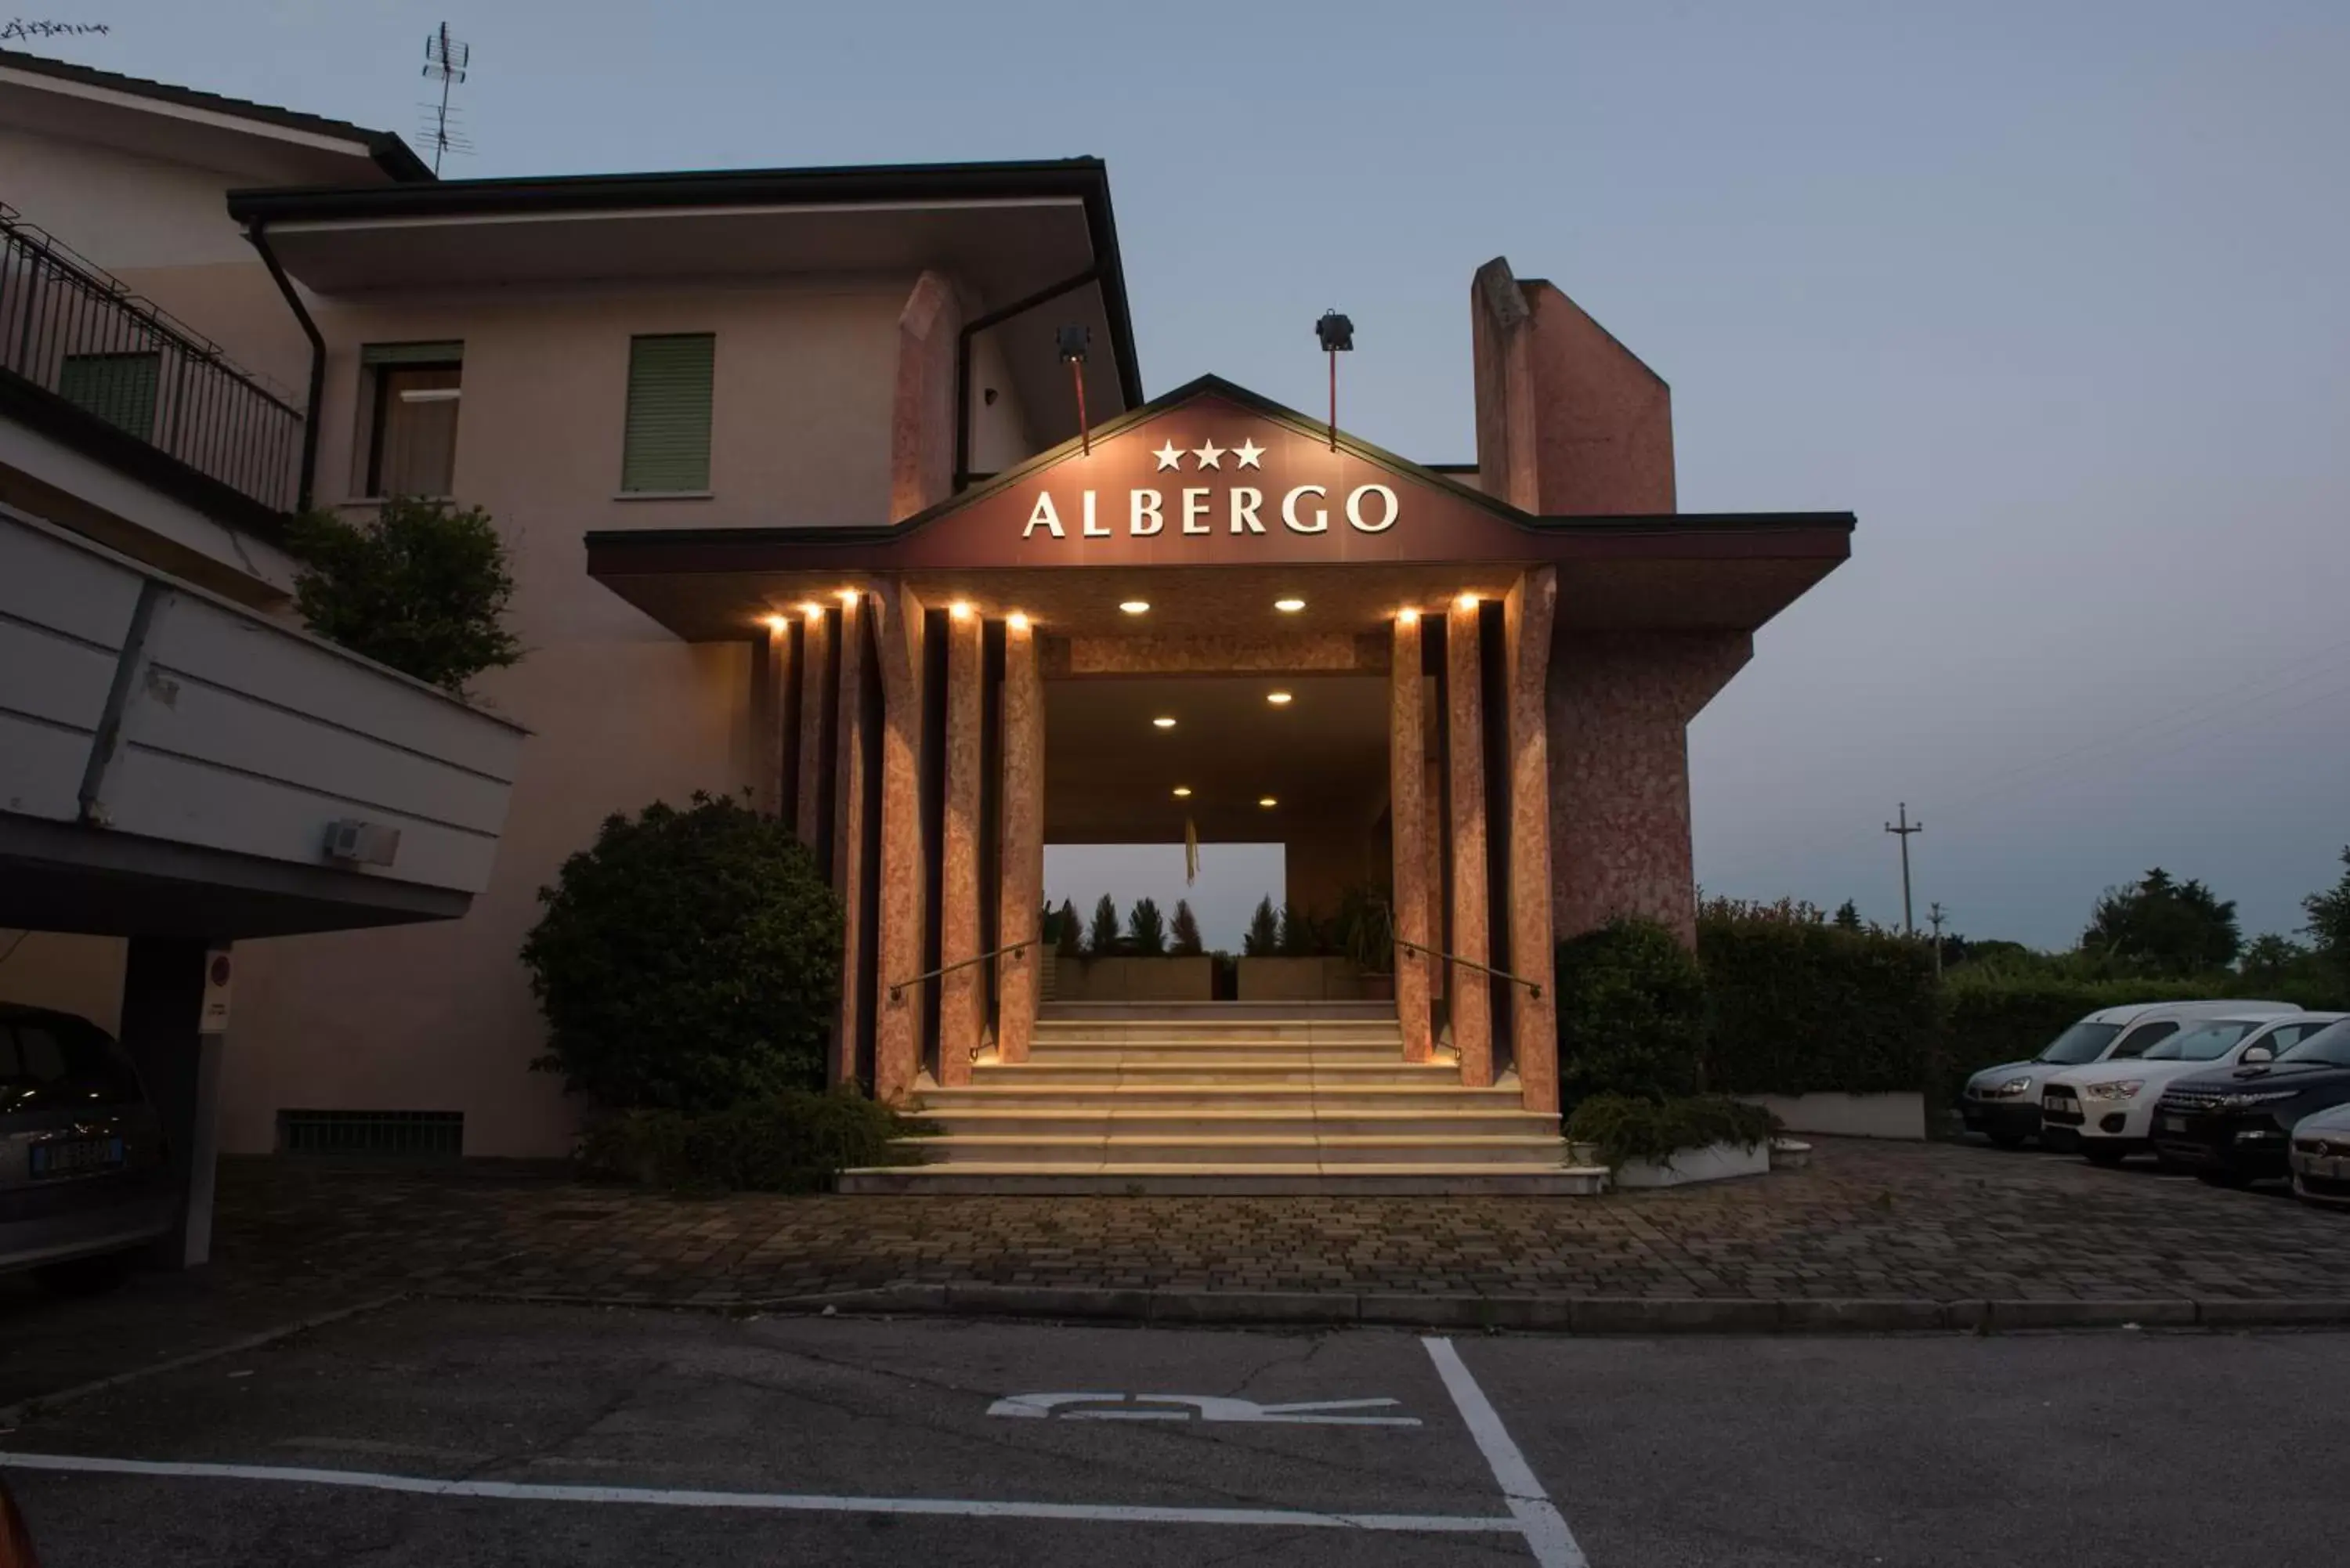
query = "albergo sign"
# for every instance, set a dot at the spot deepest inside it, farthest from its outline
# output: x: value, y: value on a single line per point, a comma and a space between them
x: 1228, y: 503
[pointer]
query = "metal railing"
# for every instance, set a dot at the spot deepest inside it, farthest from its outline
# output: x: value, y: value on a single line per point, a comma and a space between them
x: 945, y: 968
x: 1533, y: 987
x: 72, y: 330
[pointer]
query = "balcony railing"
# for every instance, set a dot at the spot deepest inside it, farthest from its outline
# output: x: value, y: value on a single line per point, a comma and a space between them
x: 74, y: 332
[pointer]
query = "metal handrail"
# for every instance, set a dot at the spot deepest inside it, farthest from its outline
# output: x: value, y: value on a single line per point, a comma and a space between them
x: 1533, y: 987
x: 962, y: 963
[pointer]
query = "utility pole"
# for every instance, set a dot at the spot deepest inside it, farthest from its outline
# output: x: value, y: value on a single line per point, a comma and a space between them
x: 1934, y: 917
x: 1909, y: 926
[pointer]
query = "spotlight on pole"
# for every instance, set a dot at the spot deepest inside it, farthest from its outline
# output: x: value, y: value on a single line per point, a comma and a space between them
x: 1336, y: 335
x: 1073, y: 340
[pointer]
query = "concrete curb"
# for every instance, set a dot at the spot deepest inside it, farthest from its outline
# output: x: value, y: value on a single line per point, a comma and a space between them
x: 1635, y: 1316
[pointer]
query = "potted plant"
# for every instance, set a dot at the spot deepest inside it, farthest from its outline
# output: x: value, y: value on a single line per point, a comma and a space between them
x: 1366, y: 937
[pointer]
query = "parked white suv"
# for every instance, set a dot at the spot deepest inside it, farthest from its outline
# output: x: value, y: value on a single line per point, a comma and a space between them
x: 2107, y: 1110
x: 2002, y: 1102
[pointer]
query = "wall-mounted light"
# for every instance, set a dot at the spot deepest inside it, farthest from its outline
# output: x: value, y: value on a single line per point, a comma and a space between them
x: 777, y: 623
x: 1072, y: 340
x: 846, y: 595
x: 1337, y: 335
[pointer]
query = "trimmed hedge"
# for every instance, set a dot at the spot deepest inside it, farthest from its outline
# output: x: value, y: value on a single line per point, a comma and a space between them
x: 1632, y: 1013
x: 795, y: 1141
x: 1800, y: 1006
x: 1991, y: 1018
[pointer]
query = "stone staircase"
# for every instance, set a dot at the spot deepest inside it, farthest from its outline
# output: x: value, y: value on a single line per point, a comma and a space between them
x: 1227, y: 1097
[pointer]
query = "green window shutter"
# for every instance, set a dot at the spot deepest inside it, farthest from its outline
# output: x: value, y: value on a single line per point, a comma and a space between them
x: 667, y: 443
x: 118, y: 388
x: 412, y: 353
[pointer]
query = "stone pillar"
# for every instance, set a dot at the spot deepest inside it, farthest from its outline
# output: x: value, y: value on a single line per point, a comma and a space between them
x: 1408, y: 817
x: 847, y: 820
x: 1022, y: 857
x: 162, y: 1003
x: 1526, y: 616
x: 897, y: 1028
x: 1471, y: 992
x: 816, y: 669
x: 771, y: 675
x: 962, y: 992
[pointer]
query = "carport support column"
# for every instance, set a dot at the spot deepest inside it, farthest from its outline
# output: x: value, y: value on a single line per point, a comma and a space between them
x: 1526, y: 616
x: 847, y: 855
x: 1471, y: 989
x: 962, y: 992
x: 162, y: 1001
x: 1407, y: 819
x: 1022, y: 857
x: 897, y: 1029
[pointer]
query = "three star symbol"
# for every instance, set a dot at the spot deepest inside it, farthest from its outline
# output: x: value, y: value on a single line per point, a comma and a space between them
x: 1248, y: 454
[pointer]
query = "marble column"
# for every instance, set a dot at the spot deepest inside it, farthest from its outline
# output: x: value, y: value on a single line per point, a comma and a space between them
x: 962, y: 992
x: 1022, y: 857
x: 815, y: 746
x: 897, y: 1028
x: 847, y: 752
x: 771, y: 677
x: 1472, y: 993
x: 1407, y: 818
x: 1526, y: 616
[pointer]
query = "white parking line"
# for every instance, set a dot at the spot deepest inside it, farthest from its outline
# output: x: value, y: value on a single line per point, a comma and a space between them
x: 1547, y: 1536
x: 783, y: 1503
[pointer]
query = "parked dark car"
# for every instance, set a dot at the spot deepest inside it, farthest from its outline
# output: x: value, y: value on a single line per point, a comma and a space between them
x: 83, y: 1176
x: 2235, y: 1126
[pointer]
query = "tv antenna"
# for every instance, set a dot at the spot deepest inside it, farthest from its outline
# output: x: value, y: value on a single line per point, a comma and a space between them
x: 445, y: 61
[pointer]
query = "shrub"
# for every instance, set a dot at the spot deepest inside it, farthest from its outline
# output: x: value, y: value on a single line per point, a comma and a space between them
x: 1101, y: 936
x: 1264, y: 937
x: 1068, y: 937
x: 688, y: 961
x: 1300, y: 934
x: 1628, y: 1126
x: 1800, y: 1005
x: 1145, y: 929
x: 1632, y: 1013
x: 422, y: 589
x: 1186, y: 931
x: 795, y: 1141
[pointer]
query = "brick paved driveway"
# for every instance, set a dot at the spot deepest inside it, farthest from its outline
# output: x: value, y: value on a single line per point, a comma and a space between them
x: 1938, y: 1222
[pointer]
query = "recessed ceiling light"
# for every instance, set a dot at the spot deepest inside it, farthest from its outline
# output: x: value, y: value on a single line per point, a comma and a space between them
x: 1408, y: 616
x: 1182, y: 792
x: 1134, y: 606
x: 1289, y: 606
x: 1267, y: 802
x: 1163, y: 722
x: 777, y: 623
x: 1016, y: 621
x: 1278, y: 699
x: 847, y: 596
x: 1467, y: 601
x: 959, y: 611
x: 813, y: 611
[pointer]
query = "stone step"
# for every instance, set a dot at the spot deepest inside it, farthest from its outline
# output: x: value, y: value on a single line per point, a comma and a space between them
x: 1236, y: 1074
x: 1020, y: 1093
x: 1103, y: 1119
x: 1218, y: 1012
x: 1223, y: 1149
x: 1013, y: 1178
x: 1212, y: 1055
x: 1221, y: 1039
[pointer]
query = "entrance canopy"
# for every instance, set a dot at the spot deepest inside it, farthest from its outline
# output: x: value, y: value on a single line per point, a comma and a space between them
x: 1202, y: 502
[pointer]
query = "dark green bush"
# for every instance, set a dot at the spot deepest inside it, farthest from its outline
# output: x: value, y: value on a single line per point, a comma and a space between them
x: 1993, y: 1017
x: 795, y: 1141
x: 419, y: 587
x: 688, y: 961
x: 1801, y: 1005
x: 1630, y: 1126
x: 1145, y: 929
x: 1632, y: 1013
x: 1264, y: 937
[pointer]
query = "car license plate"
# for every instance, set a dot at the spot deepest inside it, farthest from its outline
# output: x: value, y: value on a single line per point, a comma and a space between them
x: 2174, y: 1124
x: 76, y: 1156
x: 2056, y: 1103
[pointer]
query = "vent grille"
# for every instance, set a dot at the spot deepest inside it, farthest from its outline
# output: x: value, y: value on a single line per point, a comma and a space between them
x: 422, y: 1135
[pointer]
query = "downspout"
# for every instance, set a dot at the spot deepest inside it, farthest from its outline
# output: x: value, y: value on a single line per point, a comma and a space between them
x: 254, y: 232
x: 971, y: 328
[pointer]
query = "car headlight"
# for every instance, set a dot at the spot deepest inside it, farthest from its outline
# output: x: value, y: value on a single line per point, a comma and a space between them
x: 2126, y: 1090
x: 2007, y: 1089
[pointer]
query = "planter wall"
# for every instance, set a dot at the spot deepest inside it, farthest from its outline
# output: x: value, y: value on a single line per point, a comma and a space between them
x: 1134, y: 980
x: 1901, y: 1115
x: 1713, y: 1162
x: 1300, y: 979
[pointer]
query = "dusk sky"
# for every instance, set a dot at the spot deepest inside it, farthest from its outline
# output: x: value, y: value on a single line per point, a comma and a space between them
x: 2053, y: 297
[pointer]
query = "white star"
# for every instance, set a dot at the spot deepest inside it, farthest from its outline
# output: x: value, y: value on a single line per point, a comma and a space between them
x: 1248, y: 451
x: 1211, y: 456
x: 1169, y: 456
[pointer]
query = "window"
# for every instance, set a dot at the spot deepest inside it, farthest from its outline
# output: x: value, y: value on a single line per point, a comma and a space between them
x: 2207, y: 1043
x: 48, y: 1064
x: 2330, y: 1045
x: 411, y: 392
x: 2141, y: 1038
x: 118, y: 388
x: 2081, y: 1043
x: 666, y: 447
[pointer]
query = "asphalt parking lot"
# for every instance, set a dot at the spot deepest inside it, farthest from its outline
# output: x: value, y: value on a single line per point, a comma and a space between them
x: 457, y: 1433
